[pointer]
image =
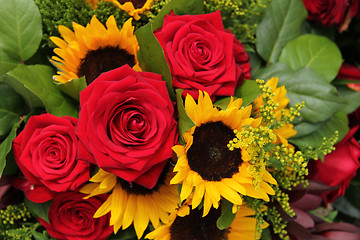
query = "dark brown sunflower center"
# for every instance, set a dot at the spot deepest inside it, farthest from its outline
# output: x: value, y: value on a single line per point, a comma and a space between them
x: 196, y: 227
x: 134, y: 188
x: 209, y: 155
x: 103, y: 60
x: 137, y: 3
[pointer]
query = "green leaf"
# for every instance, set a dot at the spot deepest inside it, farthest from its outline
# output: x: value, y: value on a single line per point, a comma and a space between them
x: 343, y: 205
x: 248, y: 91
x: 11, y: 167
x: 223, y: 102
x: 351, y: 97
x: 316, y: 52
x: 35, y: 84
x: 339, y: 122
x: 270, y: 71
x: 180, y: 7
x: 39, y: 209
x: 5, y: 147
x: 281, y: 23
x: 38, y: 236
x: 20, y: 28
x: 227, y: 216
x: 151, y: 56
x: 72, y: 87
x: 184, y: 123
x: 321, y: 98
x: 11, y: 107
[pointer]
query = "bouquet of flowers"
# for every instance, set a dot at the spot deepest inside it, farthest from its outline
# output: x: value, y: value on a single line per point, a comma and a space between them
x: 179, y: 119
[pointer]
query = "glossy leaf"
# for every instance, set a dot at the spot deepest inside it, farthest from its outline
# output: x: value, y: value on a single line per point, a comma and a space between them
x: 339, y: 122
x: 35, y: 84
x: 72, y: 87
x: 20, y: 28
x: 227, y: 216
x: 351, y: 97
x: 11, y: 107
x: 248, y: 91
x: 316, y: 52
x: 321, y: 98
x: 151, y: 56
x: 184, y: 122
x: 281, y: 23
x: 39, y: 209
x: 5, y: 147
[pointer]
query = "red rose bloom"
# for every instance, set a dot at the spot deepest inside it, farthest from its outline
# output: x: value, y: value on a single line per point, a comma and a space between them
x: 71, y: 217
x: 127, y: 122
x: 202, y: 55
x: 46, y: 153
x: 328, y: 13
x: 339, y: 166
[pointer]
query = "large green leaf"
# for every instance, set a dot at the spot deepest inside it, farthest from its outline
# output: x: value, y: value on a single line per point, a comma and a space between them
x: 35, y: 84
x: 321, y: 98
x: 316, y: 52
x: 338, y: 122
x: 11, y: 107
x: 351, y: 97
x: 20, y: 28
x: 5, y: 147
x: 281, y: 23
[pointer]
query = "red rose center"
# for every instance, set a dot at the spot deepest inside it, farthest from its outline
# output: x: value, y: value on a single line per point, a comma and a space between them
x: 137, y: 3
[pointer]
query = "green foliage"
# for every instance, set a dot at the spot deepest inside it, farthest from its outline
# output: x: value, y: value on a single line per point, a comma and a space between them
x: 5, y: 147
x: 20, y: 29
x: 241, y: 17
x: 35, y: 85
x: 184, y: 122
x: 61, y: 12
x: 227, y: 216
x: 11, y: 107
x: 281, y: 23
x: 39, y: 209
x: 313, y: 51
x: 16, y: 222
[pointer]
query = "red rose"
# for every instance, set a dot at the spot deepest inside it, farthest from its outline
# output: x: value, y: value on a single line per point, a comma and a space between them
x: 328, y: 13
x: 350, y: 72
x: 71, y: 217
x: 339, y: 166
x: 127, y: 122
x: 46, y: 153
x: 202, y: 55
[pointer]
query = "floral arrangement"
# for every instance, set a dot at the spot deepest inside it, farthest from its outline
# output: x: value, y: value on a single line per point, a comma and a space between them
x: 179, y: 119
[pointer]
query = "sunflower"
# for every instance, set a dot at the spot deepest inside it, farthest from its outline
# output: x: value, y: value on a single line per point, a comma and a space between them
x: 206, y: 164
x: 186, y: 224
x: 133, y: 204
x: 279, y: 98
x: 91, y: 50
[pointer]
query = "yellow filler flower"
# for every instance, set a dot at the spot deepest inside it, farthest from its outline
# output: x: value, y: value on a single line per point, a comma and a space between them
x: 206, y: 164
x: 278, y: 97
x: 133, y: 204
x: 94, y: 49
